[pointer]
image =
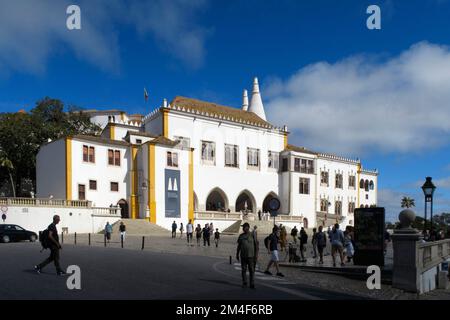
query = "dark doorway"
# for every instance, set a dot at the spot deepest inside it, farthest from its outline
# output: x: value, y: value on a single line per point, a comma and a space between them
x: 123, y: 209
x: 266, y: 202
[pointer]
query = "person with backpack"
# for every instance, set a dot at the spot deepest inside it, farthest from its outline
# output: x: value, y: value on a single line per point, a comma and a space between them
x: 303, y: 242
x: 337, y: 244
x: 198, y: 234
x: 271, y: 244
x: 314, y: 243
x: 108, y: 231
x: 50, y: 240
x: 174, y: 229
x: 321, y: 240
x: 216, y: 237
x: 247, y: 253
x: 122, y: 230
x: 294, y: 233
x: 206, y: 235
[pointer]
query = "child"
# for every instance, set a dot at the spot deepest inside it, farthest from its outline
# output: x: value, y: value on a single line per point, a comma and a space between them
x: 181, y: 230
x: 216, y: 237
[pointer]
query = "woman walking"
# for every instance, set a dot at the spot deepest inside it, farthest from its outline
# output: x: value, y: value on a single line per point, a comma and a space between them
x: 198, y: 234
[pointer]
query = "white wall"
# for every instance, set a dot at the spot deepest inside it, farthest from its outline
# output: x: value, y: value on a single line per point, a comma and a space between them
x: 371, y: 194
x: 155, y: 125
x: 51, y: 170
x: 102, y: 172
x: 38, y: 218
x: 232, y: 181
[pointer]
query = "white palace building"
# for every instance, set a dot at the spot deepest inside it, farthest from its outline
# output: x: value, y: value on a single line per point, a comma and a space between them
x: 191, y: 159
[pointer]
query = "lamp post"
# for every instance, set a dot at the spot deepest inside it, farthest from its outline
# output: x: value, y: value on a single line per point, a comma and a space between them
x: 428, y: 190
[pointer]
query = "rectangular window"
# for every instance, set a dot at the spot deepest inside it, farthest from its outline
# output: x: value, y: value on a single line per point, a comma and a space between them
x: 310, y: 167
x: 92, y: 154
x: 172, y: 159
x: 114, y: 157
x: 323, y: 205
x: 81, y: 192
x: 85, y: 153
x: 138, y: 141
x: 115, y: 186
x: 338, y: 207
x: 284, y: 166
x: 185, y: 142
x: 273, y: 159
x: 252, y: 157
x: 297, y: 164
x: 324, y: 178
x: 304, y: 186
x: 208, y: 152
x: 351, y: 207
x: 352, y: 182
x: 303, y: 166
x: 339, y: 181
x: 92, y: 185
x: 231, y: 156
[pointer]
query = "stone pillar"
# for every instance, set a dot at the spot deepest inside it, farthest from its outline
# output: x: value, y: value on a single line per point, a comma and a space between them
x: 405, y: 273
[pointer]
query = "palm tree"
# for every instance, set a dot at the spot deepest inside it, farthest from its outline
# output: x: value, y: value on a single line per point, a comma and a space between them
x: 6, y: 163
x: 408, y: 202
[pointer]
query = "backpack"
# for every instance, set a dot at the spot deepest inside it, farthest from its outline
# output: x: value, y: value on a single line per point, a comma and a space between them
x: 44, y: 239
x: 266, y: 241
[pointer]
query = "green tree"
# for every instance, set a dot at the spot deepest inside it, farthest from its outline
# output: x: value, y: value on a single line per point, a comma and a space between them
x: 22, y: 134
x: 7, y: 164
x: 408, y: 202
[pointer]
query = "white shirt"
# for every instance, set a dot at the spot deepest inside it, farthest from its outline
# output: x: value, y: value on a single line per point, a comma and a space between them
x: 189, y: 228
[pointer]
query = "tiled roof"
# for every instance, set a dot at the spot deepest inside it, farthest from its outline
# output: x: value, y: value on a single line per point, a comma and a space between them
x: 291, y: 147
x: 140, y: 134
x: 100, y: 140
x: 164, y: 141
x: 218, y: 111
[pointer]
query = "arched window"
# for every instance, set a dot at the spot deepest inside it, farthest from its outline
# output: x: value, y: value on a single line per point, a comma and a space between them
x: 217, y: 201
x: 366, y: 185
x: 361, y: 184
x: 371, y: 185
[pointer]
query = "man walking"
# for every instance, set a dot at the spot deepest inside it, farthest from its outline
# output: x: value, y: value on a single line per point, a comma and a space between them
x: 54, y: 246
x: 272, y: 247
x: 247, y: 252
x: 123, y: 231
x: 217, y: 237
x: 189, y: 231
x: 206, y: 235
x: 321, y: 240
x: 294, y: 233
x: 174, y: 229
x: 337, y: 244
x: 108, y: 231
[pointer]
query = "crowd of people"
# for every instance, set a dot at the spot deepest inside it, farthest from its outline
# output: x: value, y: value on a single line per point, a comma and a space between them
x: 206, y: 233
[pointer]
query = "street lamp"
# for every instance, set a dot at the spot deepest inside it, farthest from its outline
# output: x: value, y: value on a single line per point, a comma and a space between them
x: 428, y: 190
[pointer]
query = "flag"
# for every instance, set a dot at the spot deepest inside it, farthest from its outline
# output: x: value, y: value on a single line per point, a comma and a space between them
x: 145, y: 94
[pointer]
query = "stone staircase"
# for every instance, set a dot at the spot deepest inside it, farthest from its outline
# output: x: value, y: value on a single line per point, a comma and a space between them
x: 140, y: 227
x: 264, y: 227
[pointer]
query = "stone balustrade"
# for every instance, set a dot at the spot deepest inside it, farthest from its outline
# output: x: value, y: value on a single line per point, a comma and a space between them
x: 35, y: 202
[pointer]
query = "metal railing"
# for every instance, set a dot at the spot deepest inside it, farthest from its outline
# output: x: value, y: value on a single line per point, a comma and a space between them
x: 35, y: 202
x: 431, y: 254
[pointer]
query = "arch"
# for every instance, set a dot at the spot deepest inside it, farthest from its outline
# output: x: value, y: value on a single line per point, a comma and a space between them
x: 361, y: 184
x: 124, y: 212
x: 305, y: 223
x: 217, y: 200
x: 361, y: 206
x: 245, y: 201
x: 269, y: 196
x: 371, y: 185
x: 366, y: 185
x: 195, y: 202
x: 367, y: 206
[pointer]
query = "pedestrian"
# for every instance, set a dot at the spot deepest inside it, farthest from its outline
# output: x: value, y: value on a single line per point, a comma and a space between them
x: 211, y: 230
x: 337, y: 244
x: 294, y: 233
x: 53, y: 244
x: 348, y: 244
x: 314, y: 243
x: 272, y: 247
x: 283, y: 236
x: 189, y: 231
x: 198, y: 234
x: 259, y: 215
x: 303, y: 242
x: 255, y: 233
x: 123, y: 231
x: 174, y: 229
x: 247, y: 253
x: 206, y: 235
x: 321, y: 240
x: 108, y: 231
x: 181, y: 229
x: 216, y: 237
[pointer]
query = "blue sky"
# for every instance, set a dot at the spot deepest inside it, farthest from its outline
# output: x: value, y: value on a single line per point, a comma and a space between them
x: 381, y: 95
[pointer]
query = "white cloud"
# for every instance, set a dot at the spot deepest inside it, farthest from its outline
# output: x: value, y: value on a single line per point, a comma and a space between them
x: 391, y: 201
x: 32, y: 32
x: 362, y: 105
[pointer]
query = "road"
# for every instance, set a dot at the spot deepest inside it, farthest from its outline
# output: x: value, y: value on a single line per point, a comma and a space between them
x: 113, y: 273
